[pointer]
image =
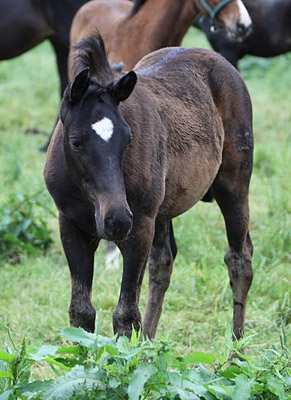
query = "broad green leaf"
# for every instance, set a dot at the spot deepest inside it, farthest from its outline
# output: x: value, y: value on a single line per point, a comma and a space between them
x: 37, y: 386
x: 183, y: 394
x: 230, y: 372
x: 138, y: 380
x: 198, y: 357
x: 276, y: 387
x: 206, y: 375
x: 287, y: 379
x: 79, y: 335
x: 69, y: 350
x: 111, y: 350
x: 242, y: 388
x: 78, y: 382
x: 51, y: 360
x: 6, y: 356
x: 194, y: 376
x: 197, y: 389
x: 123, y: 344
x: 43, y: 352
x: 7, y: 395
x: 5, y: 374
x: 220, y: 392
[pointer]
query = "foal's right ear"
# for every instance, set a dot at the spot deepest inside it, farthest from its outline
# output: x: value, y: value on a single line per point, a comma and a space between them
x: 80, y: 84
x: 122, y: 88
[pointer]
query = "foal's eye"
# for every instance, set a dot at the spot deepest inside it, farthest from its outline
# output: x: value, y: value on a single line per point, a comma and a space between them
x: 76, y: 144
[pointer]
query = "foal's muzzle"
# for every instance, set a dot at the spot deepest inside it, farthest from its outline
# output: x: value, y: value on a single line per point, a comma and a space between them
x: 116, y: 225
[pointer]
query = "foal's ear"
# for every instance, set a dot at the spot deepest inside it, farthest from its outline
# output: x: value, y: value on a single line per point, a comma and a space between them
x: 122, y: 88
x: 80, y: 84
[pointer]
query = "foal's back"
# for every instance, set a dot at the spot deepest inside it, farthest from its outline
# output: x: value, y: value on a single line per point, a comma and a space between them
x: 182, y: 100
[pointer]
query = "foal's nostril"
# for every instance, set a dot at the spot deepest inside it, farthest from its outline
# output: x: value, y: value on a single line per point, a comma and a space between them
x: 109, y: 223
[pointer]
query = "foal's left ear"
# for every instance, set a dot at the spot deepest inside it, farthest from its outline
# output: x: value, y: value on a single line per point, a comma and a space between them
x: 122, y: 88
x: 80, y: 84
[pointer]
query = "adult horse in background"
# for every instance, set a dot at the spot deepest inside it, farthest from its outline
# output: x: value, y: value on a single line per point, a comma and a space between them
x: 270, y: 36
x: 134, y: 150
x: 27, y: 23
x: 131, y: 32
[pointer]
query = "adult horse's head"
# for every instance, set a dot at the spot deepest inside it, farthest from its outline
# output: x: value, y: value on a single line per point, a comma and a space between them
x: 96, y: 136
x: 230, y: 14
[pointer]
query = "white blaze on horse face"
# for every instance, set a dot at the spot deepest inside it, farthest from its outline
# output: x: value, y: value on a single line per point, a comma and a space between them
x: 244, y: 15
x: 103, y: 128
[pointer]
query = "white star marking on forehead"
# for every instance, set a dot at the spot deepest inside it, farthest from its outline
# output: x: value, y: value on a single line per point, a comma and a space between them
x: 103, y: 128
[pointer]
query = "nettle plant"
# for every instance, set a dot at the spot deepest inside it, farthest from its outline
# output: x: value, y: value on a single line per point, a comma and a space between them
x: 23, y: 226
x: 97, y: 367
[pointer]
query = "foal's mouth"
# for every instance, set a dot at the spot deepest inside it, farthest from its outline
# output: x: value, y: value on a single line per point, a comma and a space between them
x: 115, y: 228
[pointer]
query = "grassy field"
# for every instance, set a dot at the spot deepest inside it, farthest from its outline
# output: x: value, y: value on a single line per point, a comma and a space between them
x: 35, y: 292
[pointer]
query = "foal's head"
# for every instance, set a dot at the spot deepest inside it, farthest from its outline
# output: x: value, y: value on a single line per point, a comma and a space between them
x: 96, y: 136
x: 231, y: 14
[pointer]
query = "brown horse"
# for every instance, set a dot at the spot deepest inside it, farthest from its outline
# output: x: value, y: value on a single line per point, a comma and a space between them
x: 131, y: 32
x: 134, y: 150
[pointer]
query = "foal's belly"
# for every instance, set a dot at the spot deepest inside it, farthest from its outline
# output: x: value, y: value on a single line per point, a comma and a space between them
x: 186, y: 184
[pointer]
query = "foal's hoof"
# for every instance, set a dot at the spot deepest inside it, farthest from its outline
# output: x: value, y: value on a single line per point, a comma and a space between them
x: 123, y: 322
x: 84, y: 318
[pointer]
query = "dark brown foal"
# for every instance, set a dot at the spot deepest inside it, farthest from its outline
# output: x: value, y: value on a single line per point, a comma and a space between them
x: 134, y: 150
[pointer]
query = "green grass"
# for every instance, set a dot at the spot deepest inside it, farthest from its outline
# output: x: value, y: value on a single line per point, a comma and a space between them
x: 198, y: 306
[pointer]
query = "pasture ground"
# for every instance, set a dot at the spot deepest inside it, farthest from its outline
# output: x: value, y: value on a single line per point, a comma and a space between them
x: 35, y: 293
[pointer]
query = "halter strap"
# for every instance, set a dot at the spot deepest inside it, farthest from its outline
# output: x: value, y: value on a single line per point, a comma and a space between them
x: 212, y: 11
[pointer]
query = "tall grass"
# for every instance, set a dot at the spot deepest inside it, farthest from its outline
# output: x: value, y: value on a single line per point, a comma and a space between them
x: 35, y: 293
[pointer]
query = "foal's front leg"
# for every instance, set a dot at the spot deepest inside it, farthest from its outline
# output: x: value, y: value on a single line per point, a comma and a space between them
x: 79, y: 249
x: 135, y: 251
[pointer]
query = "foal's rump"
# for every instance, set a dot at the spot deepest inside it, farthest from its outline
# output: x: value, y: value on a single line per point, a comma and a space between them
x: 193, y: 91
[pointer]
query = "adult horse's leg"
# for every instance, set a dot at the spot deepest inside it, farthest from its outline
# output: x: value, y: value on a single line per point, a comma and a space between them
x: 62, y: 53
x: 230, y: 189
x: 161, y: 259
x: 79, y: 249
x: 135, y: 253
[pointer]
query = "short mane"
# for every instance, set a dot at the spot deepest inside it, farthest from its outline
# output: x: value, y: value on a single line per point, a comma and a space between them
x: 90, y: 52
x: 137, y: 4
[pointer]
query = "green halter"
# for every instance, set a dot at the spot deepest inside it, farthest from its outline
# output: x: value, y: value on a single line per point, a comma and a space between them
x: 212, y: 11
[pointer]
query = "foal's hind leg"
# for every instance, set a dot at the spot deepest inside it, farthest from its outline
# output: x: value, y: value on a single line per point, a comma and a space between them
x: 161, y: 259
x: 230, y: 190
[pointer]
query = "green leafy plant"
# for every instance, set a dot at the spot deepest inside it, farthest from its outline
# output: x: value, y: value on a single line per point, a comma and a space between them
x: 23, y: 227
x: 98, y: 367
